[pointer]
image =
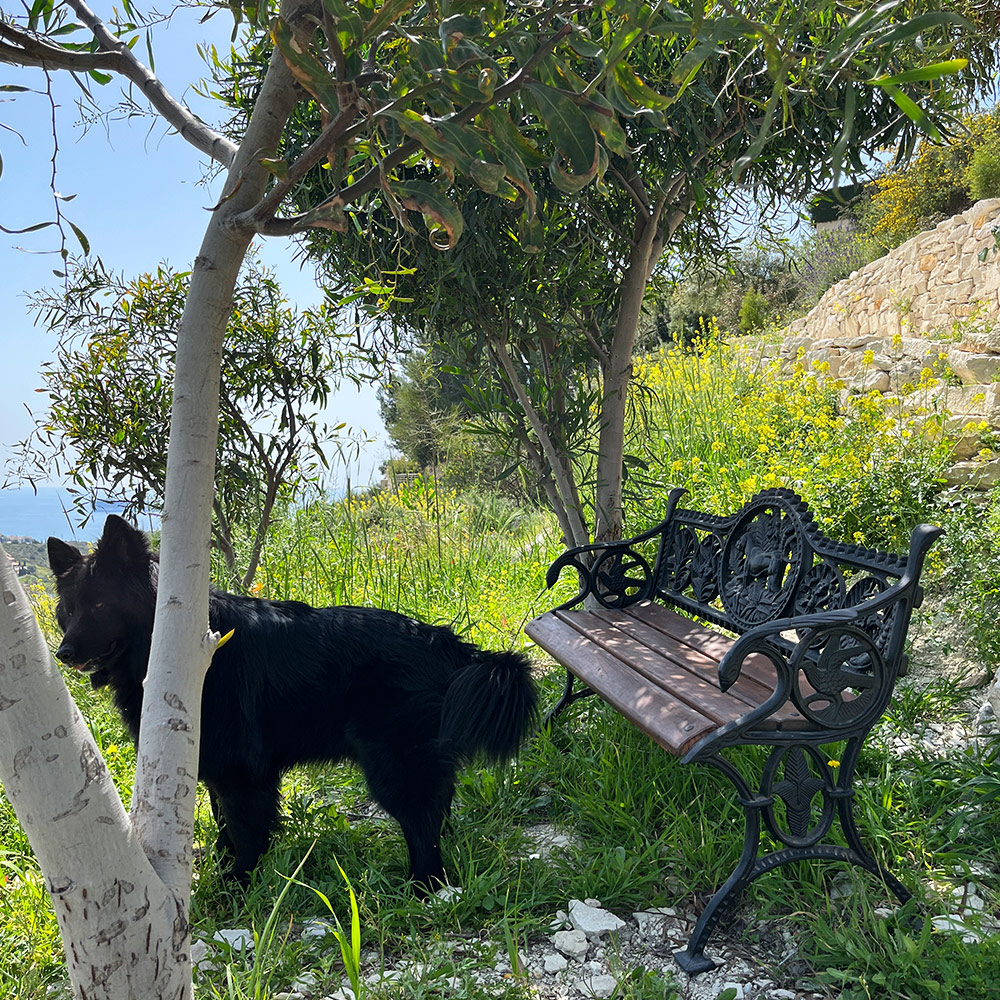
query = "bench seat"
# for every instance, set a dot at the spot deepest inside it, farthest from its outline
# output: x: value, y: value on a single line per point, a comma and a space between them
x: 660, y: 670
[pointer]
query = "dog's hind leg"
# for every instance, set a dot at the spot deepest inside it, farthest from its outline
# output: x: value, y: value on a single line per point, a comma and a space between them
x: 247, y: 816
x: 414, y: 784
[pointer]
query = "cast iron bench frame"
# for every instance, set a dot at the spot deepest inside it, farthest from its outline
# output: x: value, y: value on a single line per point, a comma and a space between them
x: 820, y: 630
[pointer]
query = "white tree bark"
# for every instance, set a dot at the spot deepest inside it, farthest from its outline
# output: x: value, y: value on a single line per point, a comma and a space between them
x: 126, y: 934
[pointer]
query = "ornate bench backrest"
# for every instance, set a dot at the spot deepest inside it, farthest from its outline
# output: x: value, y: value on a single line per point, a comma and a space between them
x: 770, y: 561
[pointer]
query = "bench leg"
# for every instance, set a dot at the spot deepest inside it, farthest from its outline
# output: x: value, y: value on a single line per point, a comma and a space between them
x: 801, y: 832
x: 693, y: 958
x: 567, y: 698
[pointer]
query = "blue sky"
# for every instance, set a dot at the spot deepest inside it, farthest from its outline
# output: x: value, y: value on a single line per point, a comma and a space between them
x: 138, y: 200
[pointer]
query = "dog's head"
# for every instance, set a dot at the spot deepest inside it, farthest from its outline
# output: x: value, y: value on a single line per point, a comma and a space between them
x: 106, y: 599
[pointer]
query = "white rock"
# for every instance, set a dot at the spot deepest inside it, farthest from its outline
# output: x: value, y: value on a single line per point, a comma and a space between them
x: 344, y: 993
x: 238, y: 939
x: 573, y: 944
x: 597, y: 986
x: 737, y: 987
x: 199, y: 952
x: 954, y: 924
x: 306, y: 983
x: 593, y: 921
x: 316, y: 929
x: 560, y: 922
x: 554, y: 963
x: 449, y: 893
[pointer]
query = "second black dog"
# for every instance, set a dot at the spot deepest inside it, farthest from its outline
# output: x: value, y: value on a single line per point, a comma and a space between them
x: 409, y: 702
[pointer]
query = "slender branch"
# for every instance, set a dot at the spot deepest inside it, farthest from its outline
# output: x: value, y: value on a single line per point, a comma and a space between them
x: 578, y: 533
x: 116, y: 57
x: 262, y: 213
x: 587, y: 325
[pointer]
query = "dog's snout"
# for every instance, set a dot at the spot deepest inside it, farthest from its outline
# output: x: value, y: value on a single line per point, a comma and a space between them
x: 66, y: 653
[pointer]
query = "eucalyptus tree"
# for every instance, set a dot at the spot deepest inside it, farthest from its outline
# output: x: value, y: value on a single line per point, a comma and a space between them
x: 390, y: 86
x: 720, y: 104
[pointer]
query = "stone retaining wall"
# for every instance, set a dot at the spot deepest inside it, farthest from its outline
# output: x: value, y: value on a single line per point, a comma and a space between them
x: 930, y: 307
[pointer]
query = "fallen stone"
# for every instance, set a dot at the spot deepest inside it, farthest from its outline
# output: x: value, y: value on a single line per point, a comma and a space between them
x: 593, y: 921
x: 344, y: 993
x: 554, y: 963
x: 952, y: 923
x: 449, y: 893
x: 237, y: 938
x: 597, y: 986
x: 316, y: 930
x: 573, y: 944
x: 306, y: 984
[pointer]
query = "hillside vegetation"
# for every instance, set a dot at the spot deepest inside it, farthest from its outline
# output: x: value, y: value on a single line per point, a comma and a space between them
x: 724, y: 424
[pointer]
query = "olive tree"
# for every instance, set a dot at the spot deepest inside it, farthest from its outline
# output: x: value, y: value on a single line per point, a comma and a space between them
x: 720, y: 105
x: 113, y: 369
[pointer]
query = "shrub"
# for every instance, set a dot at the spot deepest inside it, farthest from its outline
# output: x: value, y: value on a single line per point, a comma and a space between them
x: 936, y: 184
x: 726, y: 423
x: 984, y: 172
x: 754, y: 310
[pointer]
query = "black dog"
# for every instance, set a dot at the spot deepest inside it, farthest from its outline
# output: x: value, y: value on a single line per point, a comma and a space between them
x: 409, y: 702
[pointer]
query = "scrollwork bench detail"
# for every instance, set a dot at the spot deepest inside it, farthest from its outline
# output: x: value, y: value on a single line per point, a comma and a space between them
x: 817, y: 633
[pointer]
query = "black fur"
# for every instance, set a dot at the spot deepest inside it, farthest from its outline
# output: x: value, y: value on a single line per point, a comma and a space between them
x: 409, y: 702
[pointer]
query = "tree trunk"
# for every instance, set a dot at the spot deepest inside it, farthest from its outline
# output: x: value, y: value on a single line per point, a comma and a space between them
x: 617, y: 372
x: 125, y: 932
x: 163, y: 811
x: 121, y: 886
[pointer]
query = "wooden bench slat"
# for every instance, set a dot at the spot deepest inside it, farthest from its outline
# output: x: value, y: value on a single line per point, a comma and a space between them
x: 675, y: 649
x: 672, y: 723
x: 694, y: 644
x: 705, y: 640
x: 677, y: 678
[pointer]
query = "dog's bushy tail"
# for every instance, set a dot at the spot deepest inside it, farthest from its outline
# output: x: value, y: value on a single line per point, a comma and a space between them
x: 490, y: 706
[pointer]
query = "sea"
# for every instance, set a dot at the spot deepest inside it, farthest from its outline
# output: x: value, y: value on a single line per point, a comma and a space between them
x: 49, y: 511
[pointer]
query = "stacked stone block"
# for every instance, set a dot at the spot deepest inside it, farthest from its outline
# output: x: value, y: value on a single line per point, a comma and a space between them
x: 932, y: 304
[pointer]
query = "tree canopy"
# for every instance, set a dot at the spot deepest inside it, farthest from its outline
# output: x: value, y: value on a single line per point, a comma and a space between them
x: 113, y: 368
x: 757, y: 101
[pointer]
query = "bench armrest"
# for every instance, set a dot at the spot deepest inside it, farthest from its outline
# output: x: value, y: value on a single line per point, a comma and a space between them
x: 840, y: 668
x: 615, y: 573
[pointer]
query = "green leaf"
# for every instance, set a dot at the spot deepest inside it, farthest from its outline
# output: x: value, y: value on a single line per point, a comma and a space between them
x: 389, y: 13
x: 13, y: 88
x: 488, y: 176
x: 304, y: 66
x: 277, y: 167
x: 84, y: 242
x: 923, y: 73
x: 913, y: 111
x: 29, y: 229
x: 568, y: 127
x: 442, y: 216
x: 101, y: 78
x: 348, y: 22
x: 453, y: 29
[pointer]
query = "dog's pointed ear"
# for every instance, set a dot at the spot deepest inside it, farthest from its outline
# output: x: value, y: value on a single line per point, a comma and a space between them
x: 122, y: 542
x: 62, y: 556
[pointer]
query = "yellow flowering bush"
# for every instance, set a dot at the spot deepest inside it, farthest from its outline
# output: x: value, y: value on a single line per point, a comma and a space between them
x: 936, y: 183
x: 729, y: 423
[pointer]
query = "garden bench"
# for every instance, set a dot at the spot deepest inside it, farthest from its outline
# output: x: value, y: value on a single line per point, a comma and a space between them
x: 794, y: 646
